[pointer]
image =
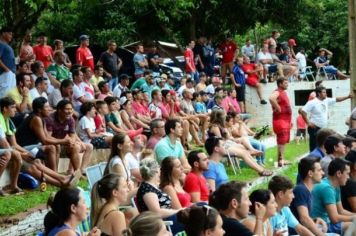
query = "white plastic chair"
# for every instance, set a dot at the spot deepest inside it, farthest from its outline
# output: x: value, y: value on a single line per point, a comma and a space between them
x: 94, y: 174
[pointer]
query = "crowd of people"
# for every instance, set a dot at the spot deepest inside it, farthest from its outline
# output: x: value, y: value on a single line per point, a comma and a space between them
x: 52, y: 108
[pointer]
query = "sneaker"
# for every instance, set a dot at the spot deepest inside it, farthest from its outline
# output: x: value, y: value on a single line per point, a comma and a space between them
x: 263, y: 102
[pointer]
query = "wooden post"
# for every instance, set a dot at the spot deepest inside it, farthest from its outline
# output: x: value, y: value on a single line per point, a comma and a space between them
x: 352, y: 47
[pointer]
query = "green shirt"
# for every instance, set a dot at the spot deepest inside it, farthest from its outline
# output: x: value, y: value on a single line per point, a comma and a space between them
x: 138, y: 84
x: 60, y: 72
x: 7, y: 126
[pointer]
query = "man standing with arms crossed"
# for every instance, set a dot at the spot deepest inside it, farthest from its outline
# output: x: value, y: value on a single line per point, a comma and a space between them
x: 282, y: 117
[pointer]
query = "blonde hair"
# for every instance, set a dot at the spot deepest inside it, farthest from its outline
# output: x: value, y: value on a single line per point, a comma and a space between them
x: 146, y: 223
x: 148, y: 168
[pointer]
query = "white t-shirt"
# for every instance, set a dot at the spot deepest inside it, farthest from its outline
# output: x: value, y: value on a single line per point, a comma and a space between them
x: 302, y: 61
x: 264, y: 56
x: 318, y: 111
x: 182, y: 88
x: 156, y: 112
x: 35, y: 94
x: 116, y: 160
x: 210, y: 89
x: 86, y: 123
x: 88, y: 90
x: 78, y: 92
x: 133, y: 162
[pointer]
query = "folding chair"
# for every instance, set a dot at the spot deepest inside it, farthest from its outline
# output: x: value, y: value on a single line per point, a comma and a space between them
x: 94, y: 174
x: 234, y: 161
x: 321, y: 72
x: 306, y: 72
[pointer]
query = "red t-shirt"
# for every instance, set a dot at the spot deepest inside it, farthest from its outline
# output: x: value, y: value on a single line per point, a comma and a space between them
x: 188, y: 54
x: 194, y: 183
x: 84, y: 57
x: 43, y: 53
x: 228, y: 51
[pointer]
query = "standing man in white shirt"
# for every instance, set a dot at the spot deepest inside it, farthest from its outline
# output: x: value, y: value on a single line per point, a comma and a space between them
x: 318, y: 113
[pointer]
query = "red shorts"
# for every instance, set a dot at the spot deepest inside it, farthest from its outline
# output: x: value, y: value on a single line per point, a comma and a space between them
x: 283, y: 136
x: 252, y: 81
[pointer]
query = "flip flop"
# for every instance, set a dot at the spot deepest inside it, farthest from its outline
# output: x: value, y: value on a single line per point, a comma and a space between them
x: 282, y: 163
x: 74, y: 178
x: 17, y: 191
x: 265, y: 173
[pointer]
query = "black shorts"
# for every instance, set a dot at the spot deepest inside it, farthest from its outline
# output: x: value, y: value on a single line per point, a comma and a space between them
x: 301, y: 131
x: 240, y: 94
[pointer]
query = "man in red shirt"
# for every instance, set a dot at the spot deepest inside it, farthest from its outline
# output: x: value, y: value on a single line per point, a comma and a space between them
x: 83, y: 56
x: 189, y: 61
x: 195, y: 182
x: 228, y: 49
x: 42, y: 51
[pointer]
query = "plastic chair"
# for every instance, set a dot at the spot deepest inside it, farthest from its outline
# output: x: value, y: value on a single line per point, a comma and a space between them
x: 306, y: 72
x: 94, y: 174
x: 234, y: 161
x: 321, y: 72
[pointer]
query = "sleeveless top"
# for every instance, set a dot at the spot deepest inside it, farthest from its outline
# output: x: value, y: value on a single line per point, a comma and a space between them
x: 184, y: 199
x: 264, y: 224
x: 24, y: 134
x: 116, y: 160
x: 163, y: 199
x: 282, y: 120
x: 58, y: 229
x: 102, y: 233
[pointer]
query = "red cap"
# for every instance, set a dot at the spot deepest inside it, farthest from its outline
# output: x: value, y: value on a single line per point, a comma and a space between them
x: 292, y: 42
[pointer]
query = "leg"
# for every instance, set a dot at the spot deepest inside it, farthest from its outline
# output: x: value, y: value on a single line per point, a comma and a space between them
x: 15, y: 169
x: 51, y: 160
x: 184, y: 138
x: 223, y: 71
x: 246, y: 157
x: 86, y: 156
x: 73, y: 154
x: 312, y: 137
x: 259, y: 91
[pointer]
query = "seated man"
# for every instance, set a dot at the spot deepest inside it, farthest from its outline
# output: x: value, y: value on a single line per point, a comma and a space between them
x: 327, y: 200
x: 157, y: 133
x: 290, y: 68
x: 231, y: 200
x: 265, y: 58
x: 170, y: 146
x: 282, y: 189
x: 195, y: 183
x: 216, y: 174
x: 334, y: 148
x: 323, y: 60
x: 310, y: 171
x: 40, y: 89
x: 33, y: 132
x: 254, y: 72
x: 61, y: 125
x: 348, y: 192
x: 57, y: 72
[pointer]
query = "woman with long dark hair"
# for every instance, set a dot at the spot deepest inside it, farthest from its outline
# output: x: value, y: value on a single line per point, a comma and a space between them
x: 68, y: 210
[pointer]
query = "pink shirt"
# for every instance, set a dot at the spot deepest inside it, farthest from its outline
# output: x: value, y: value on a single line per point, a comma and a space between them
x: 189, y: 56
x: 140, y: 108
x: 233, y: 102
x: 301, y: 123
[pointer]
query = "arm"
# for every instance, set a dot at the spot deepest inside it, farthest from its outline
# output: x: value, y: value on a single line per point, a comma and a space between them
x: 118, y: 223
x: 211, y: 183
x: 40, y: 131
x: 118, y: 169
x: 336, y: 216
x: 343, y: 211
x: 273, y: 100
x: 352, y: 202
x: 172, y: 193
x: 340, y: 99
x: 188, y: 62
x: 307, y: 221
x: 23, y: 105
x: 186, y: 167
x: 143, y: 63
x: 151, y: 201
x: 195, y: 196
x: 255, y: 226
x: 302, y: 231
x: 3, y: 66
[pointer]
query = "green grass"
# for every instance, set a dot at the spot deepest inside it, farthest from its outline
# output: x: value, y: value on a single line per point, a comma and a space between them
x: 292, y: 152
x: 12, y: 205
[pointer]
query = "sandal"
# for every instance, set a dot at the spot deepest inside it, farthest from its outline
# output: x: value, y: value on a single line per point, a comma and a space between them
x: 265, y: 173
x: 282, y: 162
x: 17, y: 191
x: 74, y: 178
x: 3, y: 194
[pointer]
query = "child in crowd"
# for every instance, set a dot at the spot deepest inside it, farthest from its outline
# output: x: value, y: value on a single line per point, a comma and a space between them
x: 199, y: 105
x: 99, y: 119
x: 87, y: 131
x: 301, y: 128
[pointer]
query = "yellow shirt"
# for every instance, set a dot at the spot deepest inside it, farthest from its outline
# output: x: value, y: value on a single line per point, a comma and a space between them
x: 95, y: 80
x: 15, y: 94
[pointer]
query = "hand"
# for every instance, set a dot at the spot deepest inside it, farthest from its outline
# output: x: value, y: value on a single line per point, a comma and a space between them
x: 94, y: 232
x: 108, y: 75
x: 351, y: 95
x: 278, y: 109
x: 279, y: 232
x: 237, y: 85
x: 260, y: 210
x: 321, y: 222
x: 25, y: 91
x: 311, y: 125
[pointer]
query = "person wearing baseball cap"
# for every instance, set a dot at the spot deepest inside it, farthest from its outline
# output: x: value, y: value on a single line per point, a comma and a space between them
x: 7, y: 59
x: 83, y: 56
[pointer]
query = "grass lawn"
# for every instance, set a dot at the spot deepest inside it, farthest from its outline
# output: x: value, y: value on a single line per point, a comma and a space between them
x: 15, y: 204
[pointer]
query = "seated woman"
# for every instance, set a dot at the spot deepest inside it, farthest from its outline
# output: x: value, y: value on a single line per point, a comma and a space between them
x: 135, y: 155
x: 130, y: 121
x: 239, y: 129
x: 239, y: 147
x: 202, y: 221
x: 266, y: 198
x: 117, y: 162
x: 171, y: 175
x: 150, y: 197
x: 106, y: 214
x: 147, y: 223
x: 68, y: 210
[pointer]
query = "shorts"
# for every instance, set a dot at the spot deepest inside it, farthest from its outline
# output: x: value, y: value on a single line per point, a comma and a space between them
x: 335, y: 228
x: 240, y: 94
x: 99, y: 143
x: 301, y: 132
x: 283, y: 136
x: 252, y: 81
x: 272, y: 68
x: 330, y: 70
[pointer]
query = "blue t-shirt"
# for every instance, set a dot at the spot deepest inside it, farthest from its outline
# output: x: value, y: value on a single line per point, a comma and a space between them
x: 7, y: 57
x: 324, y: 194
x: 239, y: 75
x: 138, y: 58
x: 282, y: 220
x: 164, y: 148
x: 302, y: 197
x: 217, y: 172
x: 200, y: 107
